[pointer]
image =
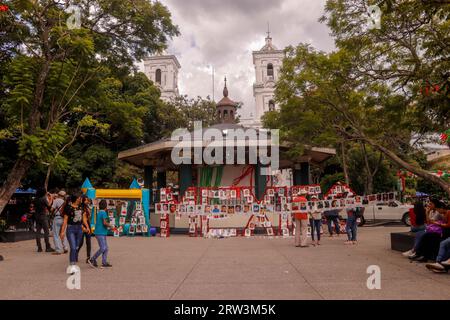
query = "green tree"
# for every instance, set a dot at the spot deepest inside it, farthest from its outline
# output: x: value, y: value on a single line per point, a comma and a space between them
x: 56, y: 79
x: 181, y: 112
x: 323, y: 99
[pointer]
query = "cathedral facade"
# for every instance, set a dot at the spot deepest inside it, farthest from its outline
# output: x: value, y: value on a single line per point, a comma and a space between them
x: 163, y: 71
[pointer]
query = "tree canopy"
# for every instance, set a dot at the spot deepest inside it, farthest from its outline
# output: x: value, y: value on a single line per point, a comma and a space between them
x: 368, y: 91
x: 61, y: 82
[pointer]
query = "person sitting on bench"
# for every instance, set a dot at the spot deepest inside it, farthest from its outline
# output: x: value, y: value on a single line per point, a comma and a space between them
x: 442, y: 263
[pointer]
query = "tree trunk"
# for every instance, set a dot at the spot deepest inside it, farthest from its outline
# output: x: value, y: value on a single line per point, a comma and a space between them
x: 13, y: 181
x: 417, y: 171
x: 344, y: 163
x: 369, y: 175
x: 47, y: 177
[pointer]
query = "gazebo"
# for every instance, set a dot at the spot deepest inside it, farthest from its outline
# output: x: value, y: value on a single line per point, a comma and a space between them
x: 157, y: 156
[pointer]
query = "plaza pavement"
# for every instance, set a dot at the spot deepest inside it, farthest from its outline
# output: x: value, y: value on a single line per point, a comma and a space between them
x: 235, y: 268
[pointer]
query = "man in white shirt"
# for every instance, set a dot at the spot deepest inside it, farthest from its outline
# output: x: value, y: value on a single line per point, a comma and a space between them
x: 61, y: 245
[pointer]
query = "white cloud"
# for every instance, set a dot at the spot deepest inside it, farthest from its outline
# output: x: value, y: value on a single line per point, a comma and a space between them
x: 224, y: 34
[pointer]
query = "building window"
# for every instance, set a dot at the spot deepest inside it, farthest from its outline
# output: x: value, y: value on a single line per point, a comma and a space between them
x: 271, y: 105
x: 225, y: 114
x: 270, y: 70
x: 158, y: 76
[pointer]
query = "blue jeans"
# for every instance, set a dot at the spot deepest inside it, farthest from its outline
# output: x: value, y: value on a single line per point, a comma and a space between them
x: 418, y: 238
x: 60, y: 246
x: 103, y: 249
x: 351, y: 228
x: 315, y: 226
x: 335, y: 220
x: 74, y: 235
x: 444, y: 251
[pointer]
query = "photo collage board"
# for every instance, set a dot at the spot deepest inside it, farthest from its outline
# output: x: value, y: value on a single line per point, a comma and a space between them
x: 125, y: 217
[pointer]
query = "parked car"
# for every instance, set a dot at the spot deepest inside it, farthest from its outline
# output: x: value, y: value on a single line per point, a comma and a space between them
x: 392, y: 210
x: 360, y: 220
x: 384, y: 211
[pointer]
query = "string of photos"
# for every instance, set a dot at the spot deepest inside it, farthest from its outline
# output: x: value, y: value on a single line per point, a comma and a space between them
x: 204, y: 204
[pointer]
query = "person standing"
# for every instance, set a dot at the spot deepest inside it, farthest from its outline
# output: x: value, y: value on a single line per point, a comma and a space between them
x: 61, y: 244
x: 101, y: 232
x: 332, y: 216
x: 31, y: 217
x: 351, y: 226
x: 74, y: 219
x: 301, y: 221
x: 315, y: 222
x: 87, y: 233
x: 43, y: 206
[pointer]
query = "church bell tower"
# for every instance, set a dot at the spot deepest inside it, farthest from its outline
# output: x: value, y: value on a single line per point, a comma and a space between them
x: 267, y: 62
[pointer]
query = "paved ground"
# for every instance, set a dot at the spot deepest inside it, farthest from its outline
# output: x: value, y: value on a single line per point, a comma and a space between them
x: 194, y: 268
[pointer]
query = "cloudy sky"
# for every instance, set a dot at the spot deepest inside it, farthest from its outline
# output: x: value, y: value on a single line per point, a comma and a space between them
x: 223, y: 34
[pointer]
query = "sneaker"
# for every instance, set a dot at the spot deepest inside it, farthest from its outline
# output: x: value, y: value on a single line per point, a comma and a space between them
x: 39, y: 250
x: 413, y: 256
x: 56, y: 253
x: 435, y: 266
x: 105, y: 266
x: 87, y: 260
x: 446, y: 263
x: 65, y: 251
x: 49, y: 250
x: 348, y: 242
x: 92, y: 263
x: 421, y: 259
x: 439, y: 271
x: 408, y: 253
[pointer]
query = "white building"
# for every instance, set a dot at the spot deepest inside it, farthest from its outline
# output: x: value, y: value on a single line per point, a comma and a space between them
x: 267, y: 62
x: 163, y: 71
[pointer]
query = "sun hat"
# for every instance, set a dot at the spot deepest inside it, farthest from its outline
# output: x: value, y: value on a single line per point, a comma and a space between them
x: 62, y: 193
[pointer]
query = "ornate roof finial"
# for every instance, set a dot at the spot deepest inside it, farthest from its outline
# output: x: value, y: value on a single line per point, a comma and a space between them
x: 268, y: 30
x: 225, y: 89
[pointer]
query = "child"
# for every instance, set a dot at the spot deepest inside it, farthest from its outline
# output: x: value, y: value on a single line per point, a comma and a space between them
x: 101, y: 232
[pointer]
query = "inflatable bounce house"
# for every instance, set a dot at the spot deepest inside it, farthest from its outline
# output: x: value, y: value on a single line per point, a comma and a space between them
x: 128, y: 209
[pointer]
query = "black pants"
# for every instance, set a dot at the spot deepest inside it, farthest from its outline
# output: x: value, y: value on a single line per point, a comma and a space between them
x: 42, y: 224
x: 88, y: 244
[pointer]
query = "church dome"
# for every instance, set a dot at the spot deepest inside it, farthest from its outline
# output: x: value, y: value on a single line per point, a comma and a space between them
x: 226, y: 108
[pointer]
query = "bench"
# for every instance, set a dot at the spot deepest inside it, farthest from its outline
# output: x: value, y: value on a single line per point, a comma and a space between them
x: 402, y: 241
x: 15, y: 236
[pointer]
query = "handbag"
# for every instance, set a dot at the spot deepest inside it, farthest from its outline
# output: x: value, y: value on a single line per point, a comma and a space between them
x: 434, y: 228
